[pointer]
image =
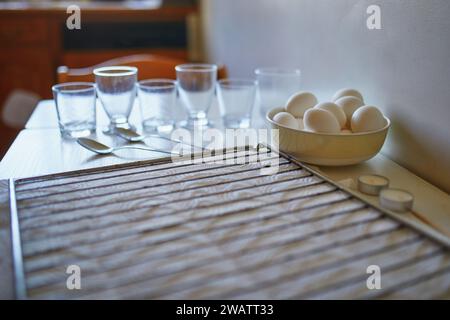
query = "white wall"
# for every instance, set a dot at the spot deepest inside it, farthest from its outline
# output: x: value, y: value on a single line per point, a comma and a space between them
x: 403, y: 68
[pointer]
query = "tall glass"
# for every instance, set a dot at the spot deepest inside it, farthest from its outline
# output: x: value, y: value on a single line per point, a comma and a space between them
x: 116, y: 89
x: 157, y: 101
x: 75, y: 107
x: 196, y: 83
x: 275, y: 86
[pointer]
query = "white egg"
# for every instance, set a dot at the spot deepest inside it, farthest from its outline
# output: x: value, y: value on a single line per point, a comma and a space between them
x: 300, y: 102
x: 346, y: 131
x: 319, y: 120
x: 367, y: 118
x: 349, y: 105
x: 348, y: 92
x: 301, y: 126
x: 335, y: 110
x: 286, y: 120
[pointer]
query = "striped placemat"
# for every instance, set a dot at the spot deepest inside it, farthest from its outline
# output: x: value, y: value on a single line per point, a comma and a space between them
x: 214, y: 229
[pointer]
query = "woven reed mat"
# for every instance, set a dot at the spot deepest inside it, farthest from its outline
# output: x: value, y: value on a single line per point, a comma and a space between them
x: 213, y: 229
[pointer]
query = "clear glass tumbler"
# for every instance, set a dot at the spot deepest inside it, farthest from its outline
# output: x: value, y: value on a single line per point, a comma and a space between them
x: 236, y: 99
x: 196, y: 84
x: 116, y: 89
x: 275, y: 86
x: 75, y: 107
x: 157, y: 100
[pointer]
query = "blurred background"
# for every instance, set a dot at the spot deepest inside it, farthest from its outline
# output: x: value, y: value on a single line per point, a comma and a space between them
x: 403, y: 68
x: 36, y: 42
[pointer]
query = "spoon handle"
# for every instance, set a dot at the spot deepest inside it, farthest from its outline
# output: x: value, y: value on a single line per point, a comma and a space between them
x: 146, y: 149
x: 176, y: 141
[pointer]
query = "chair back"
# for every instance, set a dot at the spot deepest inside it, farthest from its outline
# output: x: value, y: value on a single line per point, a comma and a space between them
x: 150, y: 67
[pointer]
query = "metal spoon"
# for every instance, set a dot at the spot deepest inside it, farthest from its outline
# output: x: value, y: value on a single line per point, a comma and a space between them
x: 101, y: 148
x: 133, y: 136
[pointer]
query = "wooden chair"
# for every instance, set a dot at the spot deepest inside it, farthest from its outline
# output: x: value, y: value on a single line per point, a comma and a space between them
x: 150, y: 66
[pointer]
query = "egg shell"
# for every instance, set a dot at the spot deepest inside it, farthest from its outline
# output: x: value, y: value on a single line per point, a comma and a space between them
x: 286, y: 120
x: 349, y: 105
x: 320, y: 120
x: 367, y: 118
x: 301, y: 126
x: 348, y: 92
x: 335, y: 110
x: 299, y: 102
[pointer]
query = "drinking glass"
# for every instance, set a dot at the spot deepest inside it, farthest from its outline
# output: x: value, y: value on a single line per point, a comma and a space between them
x: 116, y: 89
x: 275, y: 86
x: 196, y: 88
x: 75, y: 107
x: 157, y: 99
x: 236, y: 99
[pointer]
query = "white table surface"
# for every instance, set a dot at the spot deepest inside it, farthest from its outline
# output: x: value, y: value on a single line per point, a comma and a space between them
x: 39, y: 150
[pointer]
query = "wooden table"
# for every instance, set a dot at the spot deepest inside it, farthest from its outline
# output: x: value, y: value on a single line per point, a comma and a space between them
x: 39, y: 150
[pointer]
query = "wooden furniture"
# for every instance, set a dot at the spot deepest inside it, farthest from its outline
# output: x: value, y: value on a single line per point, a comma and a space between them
x: 150, y: 66
x: 212, y: 230
x: 27, y: 55
x: 34, y: 41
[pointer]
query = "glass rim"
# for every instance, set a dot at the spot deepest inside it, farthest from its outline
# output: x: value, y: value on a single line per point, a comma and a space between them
x: 126, y: 71
x: 236, y: 82
x: 89, y: 87
x: 165, y: 83
x: 278, y: 71
x: 198, y: 67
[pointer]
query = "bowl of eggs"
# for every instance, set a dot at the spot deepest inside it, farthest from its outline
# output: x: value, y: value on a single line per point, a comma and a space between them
x: 340, y: 132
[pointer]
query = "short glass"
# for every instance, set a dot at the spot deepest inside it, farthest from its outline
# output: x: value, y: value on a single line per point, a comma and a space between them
x: 116, y: 89
x: 236, y: 99
x: 275, y: 86
x: 75, y: 107
x: 157, y: 100
x: 196, y: 88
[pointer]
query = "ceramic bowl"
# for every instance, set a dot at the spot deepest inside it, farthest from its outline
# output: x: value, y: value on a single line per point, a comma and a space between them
x: 327, y: 149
